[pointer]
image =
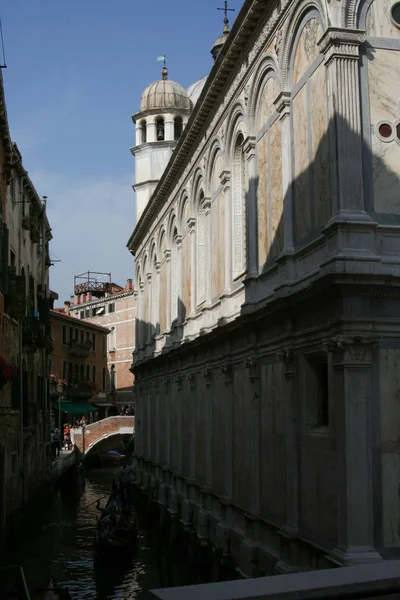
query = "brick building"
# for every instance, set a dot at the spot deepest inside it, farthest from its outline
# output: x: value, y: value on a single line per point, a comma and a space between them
x: 117, y: 311
x: 25, y: 342
x: 79, y: 363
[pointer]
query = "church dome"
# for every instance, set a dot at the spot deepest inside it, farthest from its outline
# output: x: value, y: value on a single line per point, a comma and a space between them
x: 195, y: 90
x: 164, y: 94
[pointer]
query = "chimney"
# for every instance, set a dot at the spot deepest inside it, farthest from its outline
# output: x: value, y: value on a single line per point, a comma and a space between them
x: 72, y: 300
x: 128, y: 284
x: 67, y: 304
x: 83, y: 298
x: 78, y: 300
x: 89, y: 297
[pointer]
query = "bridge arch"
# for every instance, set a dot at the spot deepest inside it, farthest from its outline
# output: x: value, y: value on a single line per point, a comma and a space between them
x: 86, y: 439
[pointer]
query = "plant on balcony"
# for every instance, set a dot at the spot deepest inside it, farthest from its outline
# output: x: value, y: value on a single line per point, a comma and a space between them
x: 5, y: 372
x: 57, y: 379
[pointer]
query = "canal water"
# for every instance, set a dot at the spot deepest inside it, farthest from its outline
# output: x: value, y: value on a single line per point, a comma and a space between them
x: 57, y: 542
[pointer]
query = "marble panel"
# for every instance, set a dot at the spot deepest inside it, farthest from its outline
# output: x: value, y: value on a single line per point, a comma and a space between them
x: 266, y: 107
x: 241, y: 440
x: 390, y: 499
x: 216, y: 172
x: 186, y: 277
x: 379, y: 22
x: 276, y: 201
x: 273, y: 444
x: 386, y: 172
x: 221, y: 242
x: 201, y: 431
x: 307, y: 50
x: 262, y: 200
x: 384, y: 85
x: 302, y: 213
x: 320, y: 147
x: 214, y: 248
x: 163, y: 297
x: 390, y: 395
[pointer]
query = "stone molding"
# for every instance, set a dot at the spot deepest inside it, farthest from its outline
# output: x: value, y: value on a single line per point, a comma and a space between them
x: 351, y: 351
x: 341, y: 43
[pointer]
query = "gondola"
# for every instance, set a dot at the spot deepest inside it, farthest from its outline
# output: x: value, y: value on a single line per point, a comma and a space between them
x: 116, y: 532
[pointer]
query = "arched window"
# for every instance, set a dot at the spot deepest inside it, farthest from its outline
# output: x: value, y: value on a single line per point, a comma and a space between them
x: 178, y: 127
x: 174, y: 277
x: 143, y: 132
x: 112, y: 379
x: 160, y: 128
x: 238, y: 209
x: 200, y: 238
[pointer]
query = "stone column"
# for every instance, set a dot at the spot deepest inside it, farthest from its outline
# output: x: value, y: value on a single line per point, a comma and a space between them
x: 148, y: 323
x: 207, y: 248
x: 352, y: 361
x: 178, y: 242
x: 192, y: 232
x: 167, y: 255
x: 282, y: 105
x: 158, y: 424
x: 151, y: 131
x: 167, y: 424
x: 225, y: 178
x: 156, y: 298
x: 169, y: 128
x: 193, y: 426
x: 209, y: 429
x: 290, y: 530
x: 249, y: 149
x: 140, y: 329
x: 342, y: 51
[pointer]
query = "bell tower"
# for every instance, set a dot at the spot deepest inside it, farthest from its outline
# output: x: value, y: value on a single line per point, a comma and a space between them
x: 164, y: 111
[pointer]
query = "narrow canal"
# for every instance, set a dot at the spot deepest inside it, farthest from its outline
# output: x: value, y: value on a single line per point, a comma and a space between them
x: 57, y: 542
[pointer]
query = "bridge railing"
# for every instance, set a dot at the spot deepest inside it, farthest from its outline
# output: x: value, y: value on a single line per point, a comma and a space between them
x: 84, y: 438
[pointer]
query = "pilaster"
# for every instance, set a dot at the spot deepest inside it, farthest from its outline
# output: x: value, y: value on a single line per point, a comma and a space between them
x: 167, y: 254
x: 193, y: 425
x: 352, y: 358
x: 179, y: 438
x: 192, y: 233
x: 226, y: 370
x: 208, y: 247
x: 253, y: 367
x: 225, y: 178
x: 167, y: 415
x: 249, y: 149
x: 209, y: 427
x: 178, y: 242
x: 341, y: 48
x: 282, y: 105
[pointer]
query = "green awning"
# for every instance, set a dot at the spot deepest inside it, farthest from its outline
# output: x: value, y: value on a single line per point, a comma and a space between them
x: 77, y: 408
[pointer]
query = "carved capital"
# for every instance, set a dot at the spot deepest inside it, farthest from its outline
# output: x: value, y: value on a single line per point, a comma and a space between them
x: 148, y: 277
x: 178, y: 240
x: 191, y: 223
x: 343, y: 43
x: 191, y: 379
x: 206, y: 205
x: 351, y: 351
x: 288, y: 357
x: 207, y: 376
x: 282, y: 104
x: 226, y: 369
x: 225, y: 177
x: 141, y: 286
x: 166, y: 382
x: 249, y: 146
x: 157, y: 266
x: 252, y: 364
x: 167, y: 254
x: 178, y: 381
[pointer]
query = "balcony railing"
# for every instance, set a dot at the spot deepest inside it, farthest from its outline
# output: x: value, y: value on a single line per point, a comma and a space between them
x: 76, y: 348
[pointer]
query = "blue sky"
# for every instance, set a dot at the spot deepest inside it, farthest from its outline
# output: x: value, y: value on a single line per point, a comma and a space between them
x: 76, y: 71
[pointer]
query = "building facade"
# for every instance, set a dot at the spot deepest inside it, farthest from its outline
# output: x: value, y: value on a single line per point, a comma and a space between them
x: 79, y: 364
x: 116, y: 310
x: 25, y: 341
x: 267, y: 269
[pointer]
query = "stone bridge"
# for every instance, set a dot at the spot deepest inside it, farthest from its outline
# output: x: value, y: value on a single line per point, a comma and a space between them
x: 86, y: 438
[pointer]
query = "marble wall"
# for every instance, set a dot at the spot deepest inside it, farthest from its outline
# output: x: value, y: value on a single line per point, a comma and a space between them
x: 379, y: 22
x: 384, y: 94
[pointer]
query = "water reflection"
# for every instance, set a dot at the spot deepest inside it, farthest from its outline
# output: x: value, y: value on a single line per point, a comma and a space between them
x: 57, y: 542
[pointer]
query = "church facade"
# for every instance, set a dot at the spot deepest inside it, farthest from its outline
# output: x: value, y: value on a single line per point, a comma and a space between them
x: 268, y: 302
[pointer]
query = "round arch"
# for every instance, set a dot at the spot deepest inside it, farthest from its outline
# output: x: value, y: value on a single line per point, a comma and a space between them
x: 291, y: 31
x: 268, y: 67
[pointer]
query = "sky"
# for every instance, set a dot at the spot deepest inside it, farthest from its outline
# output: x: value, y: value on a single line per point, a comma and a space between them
x: 75, y: 73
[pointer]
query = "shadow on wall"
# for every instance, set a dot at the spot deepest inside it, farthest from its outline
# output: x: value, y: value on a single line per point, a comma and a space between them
x: 314, y: 197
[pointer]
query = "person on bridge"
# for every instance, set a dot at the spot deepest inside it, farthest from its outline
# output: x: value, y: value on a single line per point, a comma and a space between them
x: 56, y: 442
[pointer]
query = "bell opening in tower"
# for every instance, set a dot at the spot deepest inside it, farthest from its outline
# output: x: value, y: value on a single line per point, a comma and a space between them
x: 160, y: 129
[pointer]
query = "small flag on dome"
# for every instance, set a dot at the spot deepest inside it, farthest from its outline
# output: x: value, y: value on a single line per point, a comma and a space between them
x: 160, y: 58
